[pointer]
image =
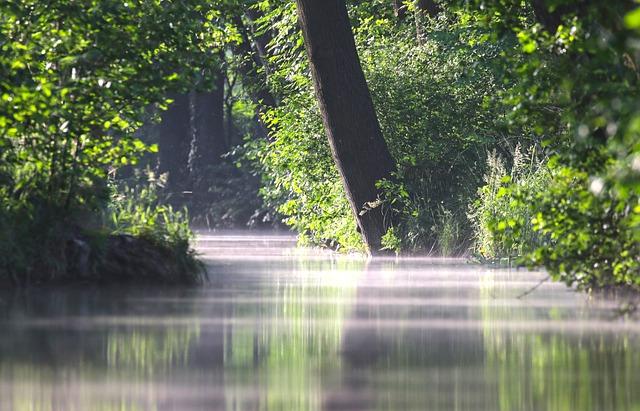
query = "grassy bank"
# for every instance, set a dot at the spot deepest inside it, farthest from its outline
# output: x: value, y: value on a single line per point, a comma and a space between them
x: 130, y: 238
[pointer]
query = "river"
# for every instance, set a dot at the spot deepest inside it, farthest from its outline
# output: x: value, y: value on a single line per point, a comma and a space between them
x: 282, y: 328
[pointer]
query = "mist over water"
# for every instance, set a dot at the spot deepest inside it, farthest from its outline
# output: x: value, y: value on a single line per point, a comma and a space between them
x: 283, y: 328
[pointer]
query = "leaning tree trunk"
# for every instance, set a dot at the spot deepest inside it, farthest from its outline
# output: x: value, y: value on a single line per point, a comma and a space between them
x: 350, y: 121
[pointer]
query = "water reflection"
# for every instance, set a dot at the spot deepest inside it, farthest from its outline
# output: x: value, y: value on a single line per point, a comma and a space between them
x: 279, y: 329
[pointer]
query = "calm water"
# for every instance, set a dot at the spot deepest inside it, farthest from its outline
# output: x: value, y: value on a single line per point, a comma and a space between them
x: 285, y: 329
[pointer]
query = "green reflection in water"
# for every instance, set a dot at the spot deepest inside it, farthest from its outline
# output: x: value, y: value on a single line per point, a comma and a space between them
x: 545, y: 371
x: 285, y: 357
x: 148, y: 353
x: 37, y: 388
x: 303, y: 350
x: 92, y: 367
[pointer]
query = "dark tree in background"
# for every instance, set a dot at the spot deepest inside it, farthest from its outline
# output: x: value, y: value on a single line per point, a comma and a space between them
x: 350, y: 121
x: 174, y: 140
x: 251, y: 52
x: 424, y: 9
x: 428, y: 6
x: 208, y: 140
x: 399, y: 9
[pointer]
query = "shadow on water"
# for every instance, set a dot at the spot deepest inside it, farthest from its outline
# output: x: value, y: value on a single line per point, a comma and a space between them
x: 286, y: 329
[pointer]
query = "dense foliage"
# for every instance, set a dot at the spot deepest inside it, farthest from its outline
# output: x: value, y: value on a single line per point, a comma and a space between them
x: 434, y: 104
x: 514, y: 127
x: 76, y: 79
x: 540, y: 99
x: 499, y: 215
x: 578, y: 85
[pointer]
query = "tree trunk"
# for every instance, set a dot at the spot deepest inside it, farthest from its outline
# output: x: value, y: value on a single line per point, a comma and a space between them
x: 429, y: 6
x: 208, y: 141
x: 423, y: 9
x: 253, y: 78
x: 399, y: 9
x: 358, y: 148
x: 173, y: 142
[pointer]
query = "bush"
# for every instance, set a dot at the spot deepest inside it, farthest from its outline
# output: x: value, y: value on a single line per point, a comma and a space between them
x: 70, y: 103
x: 136, y: 209
x: 591, y: 238
x: 42, y: 244
x: 546, y: 214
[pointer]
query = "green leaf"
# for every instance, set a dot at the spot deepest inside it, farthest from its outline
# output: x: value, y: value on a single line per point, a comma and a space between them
x: 632, y: 19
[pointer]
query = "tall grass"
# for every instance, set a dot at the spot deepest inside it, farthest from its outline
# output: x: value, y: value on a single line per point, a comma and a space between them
x: 501, y: 221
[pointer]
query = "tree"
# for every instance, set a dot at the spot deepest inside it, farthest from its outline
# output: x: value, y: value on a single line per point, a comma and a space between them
x: 357, y: 145
x: 208, y: 140
x: 424, y: 8
x: 252, y: 69
x: 399, y: 9
x: 78, y: 81
x: 428, y: 6
x: 173, y: 142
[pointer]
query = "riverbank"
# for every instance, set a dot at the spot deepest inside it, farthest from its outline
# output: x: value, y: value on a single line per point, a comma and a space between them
x: 112, y: 259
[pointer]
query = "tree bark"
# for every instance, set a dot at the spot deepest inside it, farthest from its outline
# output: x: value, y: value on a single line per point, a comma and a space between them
x: 399, y: 9
x: 423, y: 9
x: 429, y: 6
x: 208, y: 140
x: 550, y: 20
x: 358, y: 148
x: 173, y: 142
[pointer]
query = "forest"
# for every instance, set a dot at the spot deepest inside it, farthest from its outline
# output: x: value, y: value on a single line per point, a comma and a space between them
x: 502, y: 131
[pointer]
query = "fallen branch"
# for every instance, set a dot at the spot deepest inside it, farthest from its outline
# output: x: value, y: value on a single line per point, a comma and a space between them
x: 535, y: 287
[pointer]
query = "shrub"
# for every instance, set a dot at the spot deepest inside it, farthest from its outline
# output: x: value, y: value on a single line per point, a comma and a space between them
x: 592, y: 242
x: 135, y: 209
x: 547, y: 214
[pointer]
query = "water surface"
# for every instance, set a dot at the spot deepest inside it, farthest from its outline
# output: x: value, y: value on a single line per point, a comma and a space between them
x: 279, y: 328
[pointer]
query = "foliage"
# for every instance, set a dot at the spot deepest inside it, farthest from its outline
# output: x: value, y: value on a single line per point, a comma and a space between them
x: 299, y: 177
x: 590, y: 239
x: 75, y: 82
x: 135, y: 209
x: 437, y: 134
x: 565, y: 220
x: 70, y: 101
x: 523, y: 81
x: 390, y: 241
x: 549, y: 88
x: 577, y: 82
